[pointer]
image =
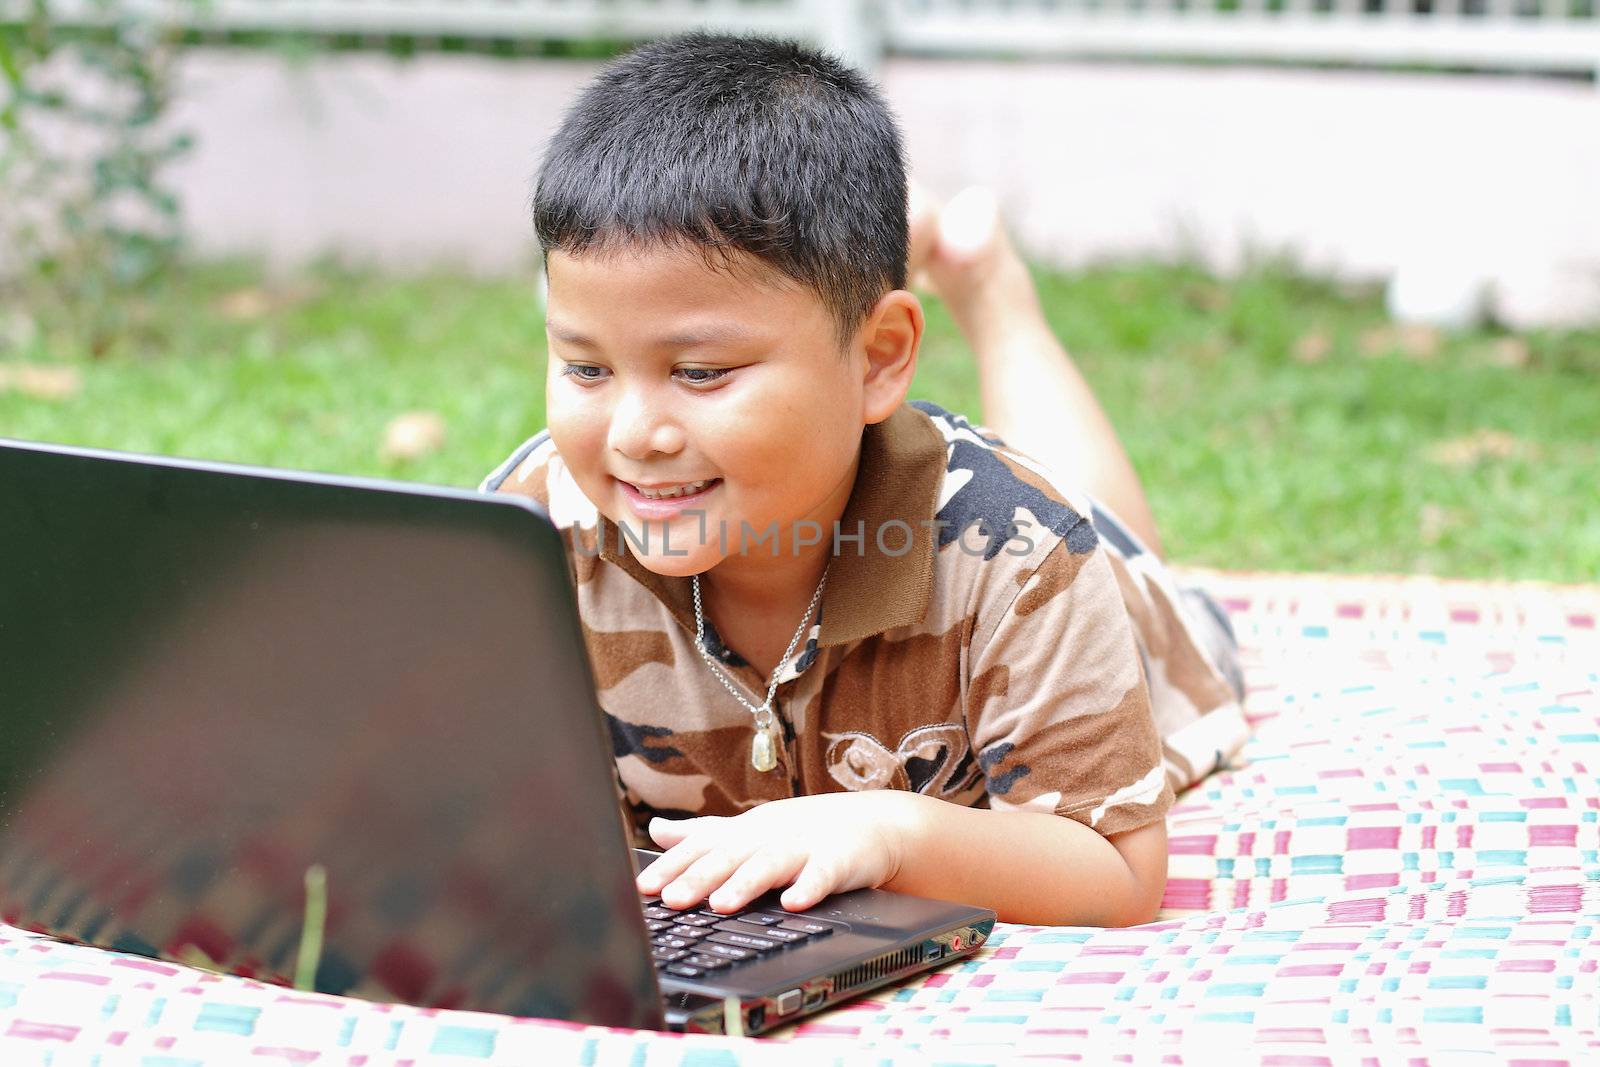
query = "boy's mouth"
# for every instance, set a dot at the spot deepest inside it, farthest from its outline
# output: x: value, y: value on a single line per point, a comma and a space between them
x: 666, y: 500
x: 672, y: 490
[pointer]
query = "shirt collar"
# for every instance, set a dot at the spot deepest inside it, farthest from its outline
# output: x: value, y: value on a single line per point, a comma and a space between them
x: 880, y: 582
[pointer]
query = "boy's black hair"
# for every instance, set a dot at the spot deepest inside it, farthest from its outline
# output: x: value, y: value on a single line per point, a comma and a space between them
x: 724, y: 142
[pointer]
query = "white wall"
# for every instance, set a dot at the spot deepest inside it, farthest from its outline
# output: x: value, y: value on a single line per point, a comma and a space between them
x: 1452, y: 179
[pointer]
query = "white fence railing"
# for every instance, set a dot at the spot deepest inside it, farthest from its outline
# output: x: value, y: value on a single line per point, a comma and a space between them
x: 1546, y: 35
x: 1543, y: 35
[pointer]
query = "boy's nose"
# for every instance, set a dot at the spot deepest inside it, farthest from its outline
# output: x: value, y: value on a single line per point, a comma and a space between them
x: 639, y: 428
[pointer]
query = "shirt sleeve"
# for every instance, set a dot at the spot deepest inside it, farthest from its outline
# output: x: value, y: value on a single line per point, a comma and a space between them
x: 1057, y: 704
x: 530, y: 457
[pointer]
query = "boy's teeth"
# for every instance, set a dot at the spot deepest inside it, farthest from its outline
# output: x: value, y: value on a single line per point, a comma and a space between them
x: 677, y: 490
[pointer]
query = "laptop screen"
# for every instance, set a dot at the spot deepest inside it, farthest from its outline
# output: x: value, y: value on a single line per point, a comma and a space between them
x: 219, y: 686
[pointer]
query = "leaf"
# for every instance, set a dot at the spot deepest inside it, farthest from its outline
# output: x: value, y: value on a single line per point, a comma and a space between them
x: 1480, y: 445
x: 174, y: 148
x: 1205, y: 296
x: 244, y: 304
x: 412, y: 436
x: 1413, y: 341
x: 8, y: 62
x: 1512, y: 353
x: 1313, y: 347
x: 41, y: 382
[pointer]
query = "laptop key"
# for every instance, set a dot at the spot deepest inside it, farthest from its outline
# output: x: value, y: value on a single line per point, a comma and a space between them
x: 684, y: 971
x: 761, y: 919
x: 772, y: 933
x: 697, y: 920
x: 769, y: 933
x: 806, y: 926
x: 668, y: 941
x: 668, y: 955
x: 733, y: 953
x: 661, y: 913
x: 757, y: 944
x: 655, y: 926
x: 717, y: 916
x: 708, y: 963
x: 691, y: 933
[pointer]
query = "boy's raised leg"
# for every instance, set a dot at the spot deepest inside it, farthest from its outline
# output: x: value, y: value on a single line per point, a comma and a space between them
x: 1033, y: 395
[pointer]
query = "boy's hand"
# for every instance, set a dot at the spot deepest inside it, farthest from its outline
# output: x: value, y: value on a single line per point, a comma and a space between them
x: 814, y: 845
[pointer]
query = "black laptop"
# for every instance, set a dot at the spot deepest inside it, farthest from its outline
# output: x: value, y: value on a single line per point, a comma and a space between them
x: 290, y: 725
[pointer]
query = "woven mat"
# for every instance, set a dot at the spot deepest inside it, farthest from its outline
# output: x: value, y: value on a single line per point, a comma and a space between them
x: 1402, y: 867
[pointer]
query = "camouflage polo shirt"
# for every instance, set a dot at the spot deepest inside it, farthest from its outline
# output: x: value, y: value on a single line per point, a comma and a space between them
x: 1008, y: 658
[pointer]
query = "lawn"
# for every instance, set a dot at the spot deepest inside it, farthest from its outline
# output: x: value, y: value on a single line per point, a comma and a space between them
x: 1279, y: 423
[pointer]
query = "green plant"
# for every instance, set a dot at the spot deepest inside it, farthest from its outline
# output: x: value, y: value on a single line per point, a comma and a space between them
x: 84, y: 148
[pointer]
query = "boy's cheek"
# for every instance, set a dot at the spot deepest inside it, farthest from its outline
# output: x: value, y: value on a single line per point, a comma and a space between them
x: 581, y: 444
x: 574, y: 430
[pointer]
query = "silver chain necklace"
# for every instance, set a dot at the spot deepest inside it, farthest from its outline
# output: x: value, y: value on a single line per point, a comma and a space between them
x: 764, y: 746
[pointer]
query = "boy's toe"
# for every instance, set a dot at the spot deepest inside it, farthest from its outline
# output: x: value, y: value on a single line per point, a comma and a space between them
x: 968, y: 224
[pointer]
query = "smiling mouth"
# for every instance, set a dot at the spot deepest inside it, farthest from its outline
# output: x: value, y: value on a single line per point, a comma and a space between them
x: 673, y: 492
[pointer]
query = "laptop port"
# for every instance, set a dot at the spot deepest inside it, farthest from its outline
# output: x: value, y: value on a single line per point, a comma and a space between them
x: 815, y: 997
x: 755, y: 1019
x: 932, y: 950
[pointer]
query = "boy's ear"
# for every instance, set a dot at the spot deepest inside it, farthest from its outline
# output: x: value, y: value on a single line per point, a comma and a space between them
x: 890, y: 337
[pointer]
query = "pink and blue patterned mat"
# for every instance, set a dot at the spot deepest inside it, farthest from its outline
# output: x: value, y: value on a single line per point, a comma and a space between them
x: 1404, y: 868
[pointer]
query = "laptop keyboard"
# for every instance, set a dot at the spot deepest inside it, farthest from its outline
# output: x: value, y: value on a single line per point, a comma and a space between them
x: 695, y: 944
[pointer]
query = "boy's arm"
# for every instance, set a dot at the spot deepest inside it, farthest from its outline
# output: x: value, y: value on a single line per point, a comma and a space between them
x: 1030, y: 867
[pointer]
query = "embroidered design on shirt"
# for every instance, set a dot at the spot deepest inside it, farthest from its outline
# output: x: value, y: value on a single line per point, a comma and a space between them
x: 936, y: 760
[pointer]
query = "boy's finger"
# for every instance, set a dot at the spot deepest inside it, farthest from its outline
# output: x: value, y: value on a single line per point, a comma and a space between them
x: 668, y: 832
x: 818, y: 878
x: 704, y: 874
x: 769, y: 868
x: 670, y: 864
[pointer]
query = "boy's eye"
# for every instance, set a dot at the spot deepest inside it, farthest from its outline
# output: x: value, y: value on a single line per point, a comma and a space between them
x: 701, y: 375
x: 584, y: 372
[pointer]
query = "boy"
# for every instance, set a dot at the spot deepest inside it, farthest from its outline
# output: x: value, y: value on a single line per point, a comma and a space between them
x: 840, y: 640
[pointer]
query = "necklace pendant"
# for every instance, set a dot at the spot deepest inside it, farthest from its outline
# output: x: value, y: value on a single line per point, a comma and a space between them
x: 763, y: 750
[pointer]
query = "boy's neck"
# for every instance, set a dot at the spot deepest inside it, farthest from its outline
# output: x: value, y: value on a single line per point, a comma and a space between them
x: 757, y: 610
x: 756, y: 580
x: 756, y: 597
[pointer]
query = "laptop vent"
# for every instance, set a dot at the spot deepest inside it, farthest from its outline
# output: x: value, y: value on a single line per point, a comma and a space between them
x: 874, y: 969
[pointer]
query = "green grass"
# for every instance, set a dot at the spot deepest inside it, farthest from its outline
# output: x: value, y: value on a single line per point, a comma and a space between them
x: 1252, y: 458
x: 313, y: 382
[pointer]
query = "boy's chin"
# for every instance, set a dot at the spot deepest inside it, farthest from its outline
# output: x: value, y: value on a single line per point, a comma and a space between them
x: 674, y: 549
x: 673, y: 565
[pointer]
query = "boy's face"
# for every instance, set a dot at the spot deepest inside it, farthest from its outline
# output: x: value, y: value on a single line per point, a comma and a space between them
x: 667, y: 376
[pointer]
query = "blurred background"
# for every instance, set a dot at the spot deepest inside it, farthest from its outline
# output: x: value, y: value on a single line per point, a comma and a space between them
x: 1333, y: 265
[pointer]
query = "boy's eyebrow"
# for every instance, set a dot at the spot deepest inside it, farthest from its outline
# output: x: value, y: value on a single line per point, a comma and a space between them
x: 711, y: 333
x: 562, y: 333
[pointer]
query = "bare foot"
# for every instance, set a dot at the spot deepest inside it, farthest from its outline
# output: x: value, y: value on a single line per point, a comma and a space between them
x: 923, y: 218
x: 961, y: 252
